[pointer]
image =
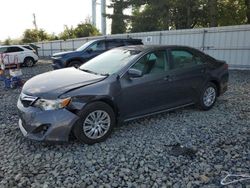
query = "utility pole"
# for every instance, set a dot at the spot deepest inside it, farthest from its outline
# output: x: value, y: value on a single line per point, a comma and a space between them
x: 34, y: 21
x: 103, y: 17
x: 94, y: 12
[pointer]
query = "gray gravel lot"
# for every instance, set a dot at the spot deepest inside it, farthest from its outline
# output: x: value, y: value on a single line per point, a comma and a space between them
x: 138, y: 153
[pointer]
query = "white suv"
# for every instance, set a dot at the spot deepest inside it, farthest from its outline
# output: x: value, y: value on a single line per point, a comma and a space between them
x: 17, y: 54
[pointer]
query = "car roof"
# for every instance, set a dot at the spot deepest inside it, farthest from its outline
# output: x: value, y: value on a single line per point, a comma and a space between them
x: 116, y: 39
x: 153, y: 47
x: 6, y: 46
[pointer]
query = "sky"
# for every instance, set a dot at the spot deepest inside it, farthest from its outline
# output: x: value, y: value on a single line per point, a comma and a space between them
x: 51, y: 15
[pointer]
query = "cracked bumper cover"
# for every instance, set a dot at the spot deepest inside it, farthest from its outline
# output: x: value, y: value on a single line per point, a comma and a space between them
x: 51, y: 125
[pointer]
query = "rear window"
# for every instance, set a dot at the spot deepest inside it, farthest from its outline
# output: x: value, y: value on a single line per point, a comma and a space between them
x: 28, y: 47
x: 114, y: 44
x: 134, y: 42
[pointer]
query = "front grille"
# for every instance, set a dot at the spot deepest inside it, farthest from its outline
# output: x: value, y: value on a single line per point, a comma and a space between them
x: 27, y: 100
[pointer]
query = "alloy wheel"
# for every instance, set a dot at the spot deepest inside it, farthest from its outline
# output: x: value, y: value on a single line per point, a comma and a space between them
x: 96, y: 124
x: 29, y: 63
x: 209, y: 96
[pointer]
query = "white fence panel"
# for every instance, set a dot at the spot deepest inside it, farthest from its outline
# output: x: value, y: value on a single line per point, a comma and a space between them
x: 231, y: 43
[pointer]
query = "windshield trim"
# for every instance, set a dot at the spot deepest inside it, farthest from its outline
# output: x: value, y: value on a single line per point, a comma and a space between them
x: 124, y: 70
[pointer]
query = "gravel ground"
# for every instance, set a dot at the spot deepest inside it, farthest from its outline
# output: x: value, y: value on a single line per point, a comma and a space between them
x: 138, y: 153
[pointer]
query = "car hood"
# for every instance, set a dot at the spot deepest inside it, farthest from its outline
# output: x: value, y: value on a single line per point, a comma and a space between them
x: 55, y: 83
x: 65, y: 53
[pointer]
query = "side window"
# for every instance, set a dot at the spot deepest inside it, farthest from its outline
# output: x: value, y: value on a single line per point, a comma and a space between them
x: 3, y: 50
x: 153, y: 63
x: 133, y: 42
x: 184, y: 59
x: 114, y: 44
x: 28, y: 47
x: 99, y: 46
x: 14, y: 49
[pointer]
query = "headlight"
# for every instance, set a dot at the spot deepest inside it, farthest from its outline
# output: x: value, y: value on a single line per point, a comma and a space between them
x: 56, y: 57
x: 52, y: 104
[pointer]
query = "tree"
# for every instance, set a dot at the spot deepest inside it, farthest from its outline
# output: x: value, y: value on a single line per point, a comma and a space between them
x: 162, y: 14
x: 30, y: 35
x: 82, y: 30
x: 213, y: 12
x: 185, y: 14
x: 151, y: 15
x: 231, y: 12
x: 7, y: 41
x: 68, y: 33
x: 119, y: 24
x: 247, y: 3
x: 34, y: 35
x: 85, y: 30
x: 147, y: 20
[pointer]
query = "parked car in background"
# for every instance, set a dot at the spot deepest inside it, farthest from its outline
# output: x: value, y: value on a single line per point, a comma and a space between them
x: 18, y: 54
x: 29, y: 48
x: 119, y: 85
x: 88, y: 51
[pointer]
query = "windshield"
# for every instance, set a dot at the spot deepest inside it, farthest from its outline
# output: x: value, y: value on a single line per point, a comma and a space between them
x: 110, y: 62
x: 84, y: 46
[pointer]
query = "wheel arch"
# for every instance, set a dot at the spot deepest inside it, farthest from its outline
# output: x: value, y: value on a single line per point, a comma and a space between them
x: 105, y: 100
x: 111, y: 104
x: 217, y: 84
x: 28, y: 57
x: 74, y: 59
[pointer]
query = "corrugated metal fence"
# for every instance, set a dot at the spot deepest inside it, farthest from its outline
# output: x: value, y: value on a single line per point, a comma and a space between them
x: 231, y: 43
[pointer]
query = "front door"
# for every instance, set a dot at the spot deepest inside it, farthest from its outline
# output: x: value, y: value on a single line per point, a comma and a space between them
x: 96, y: 49
x: 149, y: 93
x: 14, y: 55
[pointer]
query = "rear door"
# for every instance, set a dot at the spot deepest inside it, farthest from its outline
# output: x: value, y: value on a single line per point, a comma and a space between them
x: 15, y: 55
x: 188, y: 74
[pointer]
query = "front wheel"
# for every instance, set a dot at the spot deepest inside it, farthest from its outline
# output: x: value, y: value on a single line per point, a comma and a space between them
x: 208, y: 97
x: 75, y: 64
x: 96, y: 123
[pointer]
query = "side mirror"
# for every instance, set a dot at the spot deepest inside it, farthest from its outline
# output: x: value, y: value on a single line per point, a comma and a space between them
x: 134, y: 73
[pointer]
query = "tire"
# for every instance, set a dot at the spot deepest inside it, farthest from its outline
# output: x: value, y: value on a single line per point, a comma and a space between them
x: 29, y: 62
x: 87, y: 130
x: 208, y: 96
x: 75, y: 64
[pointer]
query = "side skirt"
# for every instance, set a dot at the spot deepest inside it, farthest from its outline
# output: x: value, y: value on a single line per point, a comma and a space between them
x: 157, y: 112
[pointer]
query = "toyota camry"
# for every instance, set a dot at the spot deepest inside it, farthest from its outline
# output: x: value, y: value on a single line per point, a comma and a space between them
x: 119, y: 85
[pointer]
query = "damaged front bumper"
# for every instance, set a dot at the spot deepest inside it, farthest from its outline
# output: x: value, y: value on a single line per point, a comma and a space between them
x: 51, y: 125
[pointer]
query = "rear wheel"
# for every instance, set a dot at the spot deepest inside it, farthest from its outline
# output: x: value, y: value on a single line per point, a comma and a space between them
x: 208, y: 96
x: 29, y: 62
x: 96, y: 123
x: 75, y: 64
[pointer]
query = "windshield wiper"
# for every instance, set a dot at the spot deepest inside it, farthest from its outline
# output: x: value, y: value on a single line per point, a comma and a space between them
x: 92, y: 72
x: 89, y: 71
x: 104, y: 74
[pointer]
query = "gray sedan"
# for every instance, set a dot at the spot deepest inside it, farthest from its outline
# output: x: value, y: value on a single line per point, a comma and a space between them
x: 119, y: 85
